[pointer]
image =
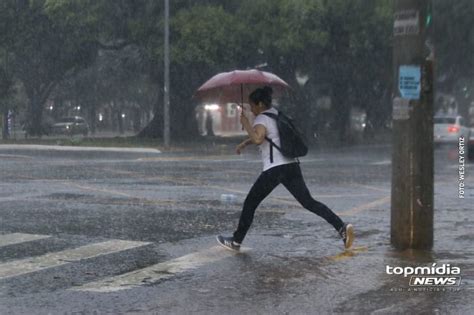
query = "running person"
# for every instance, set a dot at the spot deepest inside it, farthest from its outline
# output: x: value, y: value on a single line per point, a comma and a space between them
x: 283, y: 170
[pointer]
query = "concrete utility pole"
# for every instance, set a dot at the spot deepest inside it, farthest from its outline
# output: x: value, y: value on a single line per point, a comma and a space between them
x: 166, y: 94
x: 412, y: 151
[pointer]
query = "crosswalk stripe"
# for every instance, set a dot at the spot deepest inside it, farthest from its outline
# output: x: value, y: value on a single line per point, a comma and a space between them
x: 18, y: 238
x: 156, y: 272
x: 384, y: 162
x: 50, y: 260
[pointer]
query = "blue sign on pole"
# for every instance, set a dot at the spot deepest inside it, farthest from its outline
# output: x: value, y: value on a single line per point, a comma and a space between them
x: 409, y: 82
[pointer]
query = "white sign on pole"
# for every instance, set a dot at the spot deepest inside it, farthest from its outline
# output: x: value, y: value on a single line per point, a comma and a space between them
x: 407, y: 22
x: 401, y: 109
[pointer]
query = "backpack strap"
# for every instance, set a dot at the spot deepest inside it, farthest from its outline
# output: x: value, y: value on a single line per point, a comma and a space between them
x: 271, y: 151
x: 272, y: 144
x: 271, y: 115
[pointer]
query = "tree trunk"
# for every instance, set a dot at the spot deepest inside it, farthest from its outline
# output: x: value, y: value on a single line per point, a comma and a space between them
x: 92, y: 118
x: 34, y: 116
x: 119, y: 121
x: 154, y: 129
x: 5, y: 131
x: 303, y: 112
x: 342, y: 109
x: 136, y: 119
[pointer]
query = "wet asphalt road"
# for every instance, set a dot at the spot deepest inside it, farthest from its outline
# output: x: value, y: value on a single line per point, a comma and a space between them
x: 92, y: 232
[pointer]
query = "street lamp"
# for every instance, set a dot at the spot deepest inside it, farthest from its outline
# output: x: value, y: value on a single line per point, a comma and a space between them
x: 211, y: 107
x: 166, y: 96
x: 301, y: 78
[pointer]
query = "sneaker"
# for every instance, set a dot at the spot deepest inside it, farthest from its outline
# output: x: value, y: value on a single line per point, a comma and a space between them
x: 347, y: 234
x: 228, y: 243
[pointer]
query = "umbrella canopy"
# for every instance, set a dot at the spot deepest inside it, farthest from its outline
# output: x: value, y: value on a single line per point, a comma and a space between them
x: 235, y: 86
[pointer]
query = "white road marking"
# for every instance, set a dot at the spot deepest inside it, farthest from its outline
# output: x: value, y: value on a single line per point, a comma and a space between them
x: 384, y: 162
x: 50, y: 260
x: 18, y: 238
x: 366, y: 206
x: 15, y: 156
x: 74, y: 148
x: 157, y: 272
x: 385, y: 190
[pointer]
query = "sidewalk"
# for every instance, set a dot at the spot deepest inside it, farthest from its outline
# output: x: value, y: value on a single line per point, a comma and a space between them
x: 74, y: 148
x: 202, y: 145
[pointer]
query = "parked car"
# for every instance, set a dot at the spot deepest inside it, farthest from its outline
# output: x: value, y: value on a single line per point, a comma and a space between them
x: 448, y: 129
x: 71, y: 126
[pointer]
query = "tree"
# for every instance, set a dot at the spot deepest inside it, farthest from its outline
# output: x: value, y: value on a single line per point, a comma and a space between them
x: 356, y: 60
x: 205, y: 40
x: 6, y: 90
x: 371, y: 56
x: 53, y: 40
x: 326, y: 41
x: 454, y: 48
x: 453, y: 21
x: 43, y: 51
x: 288, y: 38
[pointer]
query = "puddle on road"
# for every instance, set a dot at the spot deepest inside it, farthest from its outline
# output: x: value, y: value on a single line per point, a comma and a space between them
x: 348, y: 253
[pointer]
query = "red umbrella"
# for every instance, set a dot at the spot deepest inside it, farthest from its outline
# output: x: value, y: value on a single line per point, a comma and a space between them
x: 235, y: 86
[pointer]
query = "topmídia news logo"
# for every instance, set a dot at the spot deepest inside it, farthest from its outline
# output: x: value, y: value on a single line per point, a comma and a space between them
x: 443, y: 275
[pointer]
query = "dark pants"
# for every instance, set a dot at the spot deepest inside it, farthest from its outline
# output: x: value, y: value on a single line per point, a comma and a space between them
x: 290, y: 176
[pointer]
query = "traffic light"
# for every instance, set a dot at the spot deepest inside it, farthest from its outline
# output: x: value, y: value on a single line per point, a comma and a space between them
x: 428, y: 19
x: 429, y: 15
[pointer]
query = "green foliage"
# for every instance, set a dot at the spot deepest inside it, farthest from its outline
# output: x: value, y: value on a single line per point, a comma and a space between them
x: 454, y: 39
x: 205, y: 35
x: 6, y: 79
x: 283, y: 28
x: 46, y: 41
x: 343, y: 46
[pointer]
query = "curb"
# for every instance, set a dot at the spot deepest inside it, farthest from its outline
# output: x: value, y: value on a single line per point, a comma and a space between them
x: 74, y: 148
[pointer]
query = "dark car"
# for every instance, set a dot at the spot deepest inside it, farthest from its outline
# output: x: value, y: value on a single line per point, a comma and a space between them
x: 71, y: 126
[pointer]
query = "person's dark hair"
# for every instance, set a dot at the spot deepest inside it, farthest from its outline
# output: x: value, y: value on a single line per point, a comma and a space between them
x: 263, y: 95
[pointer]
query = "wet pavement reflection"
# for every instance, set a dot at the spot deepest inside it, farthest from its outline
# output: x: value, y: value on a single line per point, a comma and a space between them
x: 170, y: 207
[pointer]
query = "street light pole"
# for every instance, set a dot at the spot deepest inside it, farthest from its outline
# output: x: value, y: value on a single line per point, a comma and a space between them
x: 412, y: 152
x: 5, y: 111
x: 166, y: 95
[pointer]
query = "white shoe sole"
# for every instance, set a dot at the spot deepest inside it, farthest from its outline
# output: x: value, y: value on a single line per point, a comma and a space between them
x: 227, y: 247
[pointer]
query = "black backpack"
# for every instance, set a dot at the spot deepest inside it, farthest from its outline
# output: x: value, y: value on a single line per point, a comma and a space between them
x: 292, y: 144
